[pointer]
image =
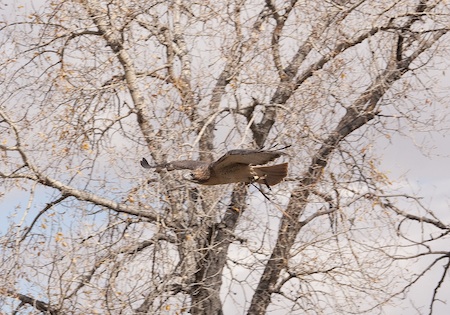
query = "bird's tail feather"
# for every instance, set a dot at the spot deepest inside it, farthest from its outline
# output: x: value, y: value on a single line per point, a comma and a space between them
x: 271, y: 175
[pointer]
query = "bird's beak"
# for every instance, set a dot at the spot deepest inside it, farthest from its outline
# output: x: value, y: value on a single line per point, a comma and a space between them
x: 189, y: 177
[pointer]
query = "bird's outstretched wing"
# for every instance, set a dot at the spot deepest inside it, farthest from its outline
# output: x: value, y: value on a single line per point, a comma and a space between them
x: 185, y: 165
x: 175, y: 165
x: 249, y: 157
x: 144, y: 164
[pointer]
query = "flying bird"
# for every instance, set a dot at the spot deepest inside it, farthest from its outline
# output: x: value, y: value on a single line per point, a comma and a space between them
x: 234, y: 167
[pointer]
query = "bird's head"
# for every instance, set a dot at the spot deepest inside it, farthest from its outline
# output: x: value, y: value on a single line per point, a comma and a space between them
x: 199, y: 175
x: 190, y: 177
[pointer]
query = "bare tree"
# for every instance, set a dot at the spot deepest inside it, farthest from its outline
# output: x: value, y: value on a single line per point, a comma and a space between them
x: 90, y: 87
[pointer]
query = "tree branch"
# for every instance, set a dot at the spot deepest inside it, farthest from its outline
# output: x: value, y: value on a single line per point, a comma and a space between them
x: 37, y: 304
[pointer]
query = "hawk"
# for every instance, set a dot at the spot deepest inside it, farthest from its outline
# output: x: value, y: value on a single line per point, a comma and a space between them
x: 234, y: 167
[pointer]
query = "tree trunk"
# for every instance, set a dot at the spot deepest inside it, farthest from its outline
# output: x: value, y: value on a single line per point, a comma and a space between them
x: 208, y: 279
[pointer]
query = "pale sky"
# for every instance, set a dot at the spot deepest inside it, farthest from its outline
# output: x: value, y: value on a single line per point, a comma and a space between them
x: 408, y: 168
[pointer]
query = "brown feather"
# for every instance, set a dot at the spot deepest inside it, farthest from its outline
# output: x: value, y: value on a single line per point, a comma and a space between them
x: 249, y: 157
x: 271, y: 175
x: 233, y: 167
x: 185, y: 165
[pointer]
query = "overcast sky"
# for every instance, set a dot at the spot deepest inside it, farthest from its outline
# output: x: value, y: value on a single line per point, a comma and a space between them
x: 426, y: 173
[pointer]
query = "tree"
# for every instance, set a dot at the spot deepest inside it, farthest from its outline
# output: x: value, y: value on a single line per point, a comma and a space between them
x: 90, y: 87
